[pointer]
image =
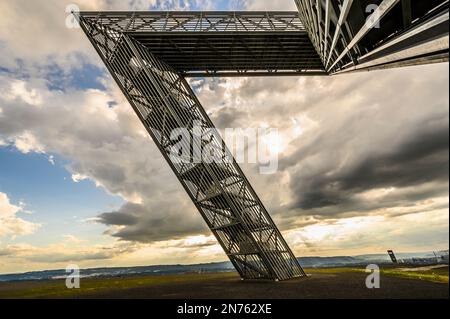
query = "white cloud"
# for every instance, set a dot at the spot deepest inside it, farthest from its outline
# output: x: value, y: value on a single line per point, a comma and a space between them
x: 372, y: 234
x: 51, y: 160
x: 26, y: 143
x: 78, y: 178
x: 26, y: 35
x: 18, y: 90
x: 10, y: 224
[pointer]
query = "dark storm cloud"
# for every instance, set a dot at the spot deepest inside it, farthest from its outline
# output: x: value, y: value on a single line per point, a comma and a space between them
x: 118, y: 219
x: 149, y: 222
x: 422, y: 158
x: 416, y: 157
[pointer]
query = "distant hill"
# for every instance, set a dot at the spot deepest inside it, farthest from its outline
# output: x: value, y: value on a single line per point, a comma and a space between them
x: 320, y: 262
x: 306, y: 262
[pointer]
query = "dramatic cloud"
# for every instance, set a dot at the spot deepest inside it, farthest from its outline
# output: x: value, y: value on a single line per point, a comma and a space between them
x: 366, y: 235
x: 371, y: 141
x: 352, y: 153
x: 166, y: 218
x: 10, y: 224
x: 346, y: 154
x: 391, y: 142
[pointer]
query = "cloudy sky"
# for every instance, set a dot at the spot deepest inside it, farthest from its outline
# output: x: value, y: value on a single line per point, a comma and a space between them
x: 363, y: 157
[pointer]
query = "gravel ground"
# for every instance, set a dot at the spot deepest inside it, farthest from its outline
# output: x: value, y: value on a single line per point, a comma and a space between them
x: 317, y: 286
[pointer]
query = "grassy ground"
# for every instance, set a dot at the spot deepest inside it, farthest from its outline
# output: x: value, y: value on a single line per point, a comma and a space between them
x: 439, y: 275
x: 57, y: 289
x: 182, y: 285
x: 435, y: 275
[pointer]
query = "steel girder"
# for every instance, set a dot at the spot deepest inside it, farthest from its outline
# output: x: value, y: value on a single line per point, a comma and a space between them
x: 352, y: 35
x: 164, y: 101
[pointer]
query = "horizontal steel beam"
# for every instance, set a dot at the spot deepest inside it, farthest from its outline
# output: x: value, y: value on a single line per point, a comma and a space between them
x: 211, y: 43
x: 254, y: 74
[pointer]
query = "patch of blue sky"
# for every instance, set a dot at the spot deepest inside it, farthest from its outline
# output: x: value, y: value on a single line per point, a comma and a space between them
x: 18, y: 72
x: 196, y: 84
x: 87, y: 76
x: 220, y: 5
x: 57, y: 202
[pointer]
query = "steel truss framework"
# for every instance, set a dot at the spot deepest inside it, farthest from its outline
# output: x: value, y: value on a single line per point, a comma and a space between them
x: 150, y: 54
x: 164, y: 101
x: 354, y: 35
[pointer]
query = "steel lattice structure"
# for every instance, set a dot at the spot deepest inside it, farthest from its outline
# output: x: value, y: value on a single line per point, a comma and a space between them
x: 164, y: 101
x: 150, y: 54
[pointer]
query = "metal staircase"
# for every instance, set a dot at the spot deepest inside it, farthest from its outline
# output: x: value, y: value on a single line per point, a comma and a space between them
x: 164, y: 101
